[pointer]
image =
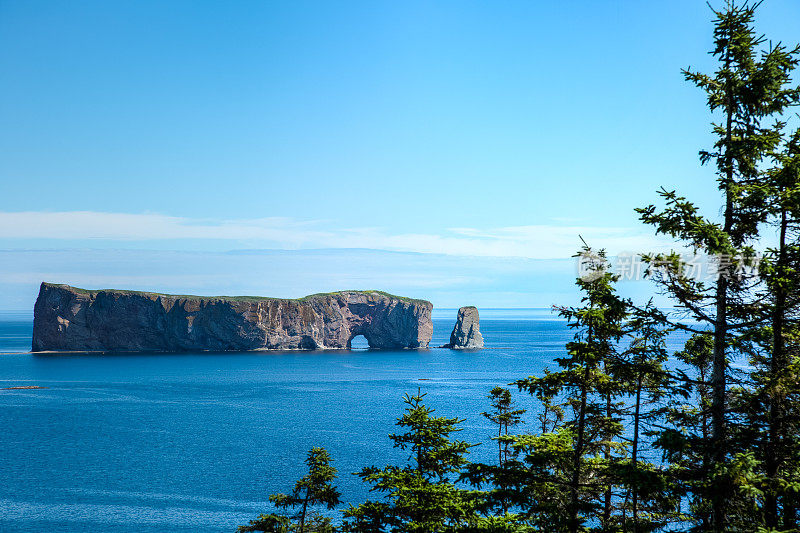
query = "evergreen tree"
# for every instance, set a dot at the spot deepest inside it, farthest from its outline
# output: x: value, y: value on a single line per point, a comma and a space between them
x: 650, y: 497
x: 498, y: 476
x: 504, y: 416
x: 420, y: 496
x: 589, y: 393
x: 267, y: 523
x: 746, y: 90
x: 768, y: 397
x: 540, y: 476
x: 781, y: 384
x: 685, y: 437
x: 312, y: 490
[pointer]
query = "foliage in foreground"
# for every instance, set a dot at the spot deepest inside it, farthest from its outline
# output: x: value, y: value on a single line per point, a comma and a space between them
x: 313, y: 490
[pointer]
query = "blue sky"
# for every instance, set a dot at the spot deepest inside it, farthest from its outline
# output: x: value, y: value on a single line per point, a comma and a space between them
x: 447, y: 129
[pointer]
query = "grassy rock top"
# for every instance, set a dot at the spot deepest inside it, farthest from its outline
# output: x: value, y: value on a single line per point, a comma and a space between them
x: 94, y: 292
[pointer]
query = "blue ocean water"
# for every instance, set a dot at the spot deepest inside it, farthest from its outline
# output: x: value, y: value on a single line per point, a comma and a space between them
x: 197, y: 442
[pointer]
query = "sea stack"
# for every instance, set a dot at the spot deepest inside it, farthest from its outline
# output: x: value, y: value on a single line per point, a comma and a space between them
x: 467, y: 331
x: 69, y: 319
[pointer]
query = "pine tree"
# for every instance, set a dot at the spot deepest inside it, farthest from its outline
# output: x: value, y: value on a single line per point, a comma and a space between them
x: 650, y: 497
x: 504, y: 416
x: 767, y: 399
x: 498, y: 476
x: 782, y: 383
x: 746, y: 90
x: 539, y: 479
x: 589, y: 391
x: 420, y: 496
x: 685, y: 437
x: 267, y: 523
x: 312, y: 490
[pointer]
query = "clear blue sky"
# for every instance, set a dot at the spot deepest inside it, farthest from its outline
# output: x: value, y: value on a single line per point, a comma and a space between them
x: 473, y: 128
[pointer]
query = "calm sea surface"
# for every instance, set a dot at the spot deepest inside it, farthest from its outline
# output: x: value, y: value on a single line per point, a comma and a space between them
x: 197, y: 442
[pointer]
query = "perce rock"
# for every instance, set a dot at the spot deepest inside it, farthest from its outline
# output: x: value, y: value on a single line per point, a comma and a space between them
x: 467, y: 331
x: 70, y: 319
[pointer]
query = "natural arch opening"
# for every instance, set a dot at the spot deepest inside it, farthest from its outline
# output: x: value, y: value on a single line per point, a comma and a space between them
x: 359, y: 342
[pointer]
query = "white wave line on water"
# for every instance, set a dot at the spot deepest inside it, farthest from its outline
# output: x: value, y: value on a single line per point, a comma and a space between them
x: 27, y: 512
x: 170, y: 497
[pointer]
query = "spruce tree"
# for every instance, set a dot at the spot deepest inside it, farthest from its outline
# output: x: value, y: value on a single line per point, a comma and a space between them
x: 420, y: 496
x: 505, y: 416
x: 497, y: 478
x: 651, y: 499
x: 589, y: 392
x: 685, y: 435
x: 746, y: 90
x: 782, y: 384
x: 767, y: 399
x: 312, y: 490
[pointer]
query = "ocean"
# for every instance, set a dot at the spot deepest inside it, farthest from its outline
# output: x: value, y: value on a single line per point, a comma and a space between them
x: 198, y: 441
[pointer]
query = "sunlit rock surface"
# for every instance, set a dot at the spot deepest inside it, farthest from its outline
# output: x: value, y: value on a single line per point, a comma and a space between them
x: 71, y: 319
x: 467, y: 331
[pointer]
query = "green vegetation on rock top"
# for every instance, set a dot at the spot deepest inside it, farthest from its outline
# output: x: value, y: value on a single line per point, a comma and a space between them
x: 233, y: 298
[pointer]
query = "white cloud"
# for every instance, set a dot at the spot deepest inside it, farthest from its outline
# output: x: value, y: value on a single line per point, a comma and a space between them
x: 124, y: 226
x: 533, y: 241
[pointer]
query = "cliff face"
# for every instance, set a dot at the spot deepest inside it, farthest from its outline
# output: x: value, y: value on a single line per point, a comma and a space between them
x: 70, y: 319
x: 467, y: 331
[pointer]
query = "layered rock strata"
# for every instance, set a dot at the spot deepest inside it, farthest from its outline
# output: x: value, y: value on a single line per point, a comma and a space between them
x: 467, y: 331
x: 71, y: 319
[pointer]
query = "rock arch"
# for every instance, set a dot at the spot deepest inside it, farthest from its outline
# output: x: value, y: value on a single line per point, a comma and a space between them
x: 360, y: 341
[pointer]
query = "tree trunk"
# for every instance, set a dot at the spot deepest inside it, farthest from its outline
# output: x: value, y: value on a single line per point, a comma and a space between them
x: 607, y: 496
x: 705, y: 431
x: 303, y: 513
x: 576, y: 461
x: 719, y: 365
x: 503, y: 503
x: 774, y: 455
x: 500, y: 446
x: 635, y: 454
x: 718, y: 389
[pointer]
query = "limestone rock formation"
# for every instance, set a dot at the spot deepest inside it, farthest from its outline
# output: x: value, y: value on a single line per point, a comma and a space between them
x: 467, y: 331
x: 70, y: 319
